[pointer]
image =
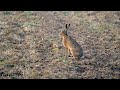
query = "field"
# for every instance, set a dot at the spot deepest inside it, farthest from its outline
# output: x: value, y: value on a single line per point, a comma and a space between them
x: 31, y: 47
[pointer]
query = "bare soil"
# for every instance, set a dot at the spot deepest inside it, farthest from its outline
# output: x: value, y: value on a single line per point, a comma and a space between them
x: 31, y: 47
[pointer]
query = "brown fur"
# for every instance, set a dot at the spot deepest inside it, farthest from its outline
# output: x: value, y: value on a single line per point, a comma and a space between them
x: 71, y: 45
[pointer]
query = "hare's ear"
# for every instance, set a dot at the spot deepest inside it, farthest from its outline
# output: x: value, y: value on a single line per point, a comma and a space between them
x: 66, y: 26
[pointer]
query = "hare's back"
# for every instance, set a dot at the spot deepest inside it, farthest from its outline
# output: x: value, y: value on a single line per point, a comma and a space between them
x: 73, y: 43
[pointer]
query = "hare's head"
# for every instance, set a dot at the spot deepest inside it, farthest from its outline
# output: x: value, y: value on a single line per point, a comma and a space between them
x: 65, y: 31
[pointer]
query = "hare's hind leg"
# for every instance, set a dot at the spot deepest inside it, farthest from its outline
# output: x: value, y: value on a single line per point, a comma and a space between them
x: 75, y: 56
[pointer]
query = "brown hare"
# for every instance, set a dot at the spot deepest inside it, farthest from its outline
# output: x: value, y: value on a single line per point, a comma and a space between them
x: 71, y: 46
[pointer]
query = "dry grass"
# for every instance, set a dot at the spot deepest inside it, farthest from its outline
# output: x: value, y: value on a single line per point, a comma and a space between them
x: 31, y: 48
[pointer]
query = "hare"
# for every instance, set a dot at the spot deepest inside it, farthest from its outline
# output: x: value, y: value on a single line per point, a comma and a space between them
x: 71, y: 46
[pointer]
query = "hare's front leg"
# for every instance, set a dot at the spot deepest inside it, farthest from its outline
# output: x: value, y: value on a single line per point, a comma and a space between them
x: 67, y: 53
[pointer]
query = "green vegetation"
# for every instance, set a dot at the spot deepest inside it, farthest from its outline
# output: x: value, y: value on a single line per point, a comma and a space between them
x: 31, y: 47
